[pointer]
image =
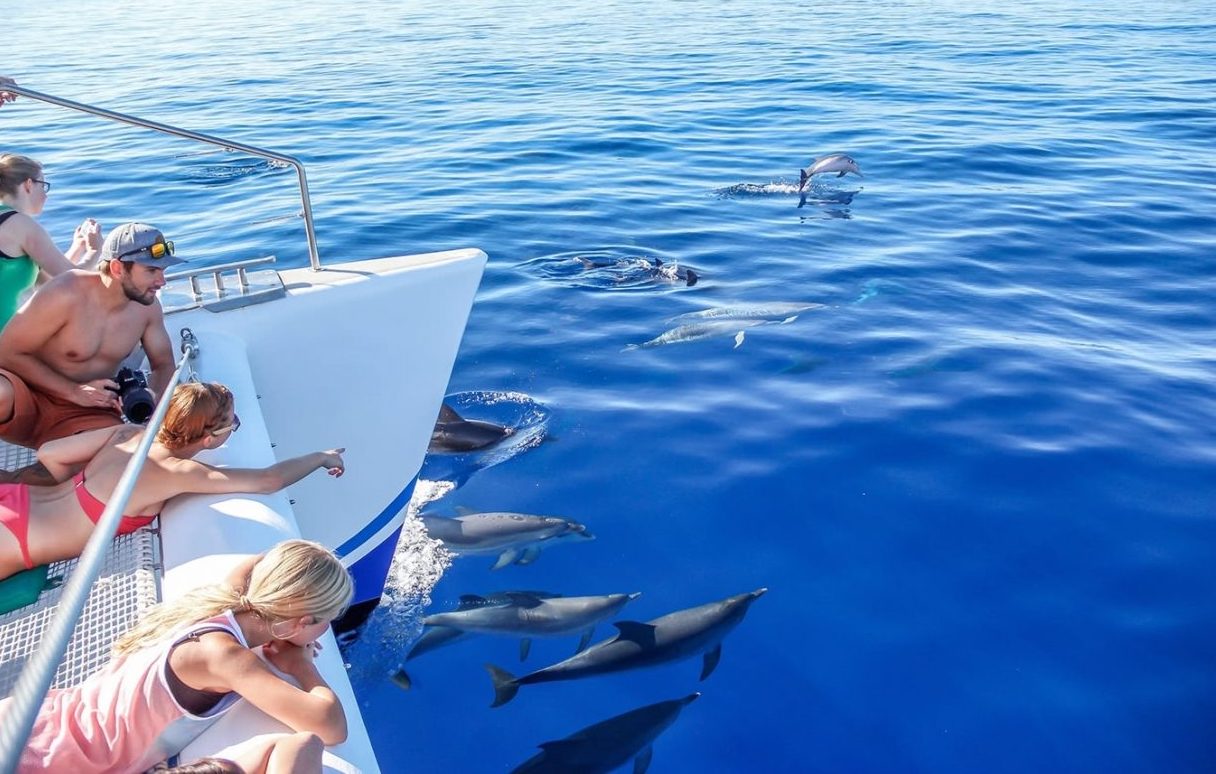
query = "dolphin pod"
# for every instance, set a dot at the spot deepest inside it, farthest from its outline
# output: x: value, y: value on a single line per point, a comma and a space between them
x: 516, y: 538
x: 600, y: 748
x: 834, y: 162
x: 695, y: 630
x: 454, y: 433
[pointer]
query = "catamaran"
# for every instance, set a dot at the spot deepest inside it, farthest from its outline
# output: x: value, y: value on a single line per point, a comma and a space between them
x: 356, y: 354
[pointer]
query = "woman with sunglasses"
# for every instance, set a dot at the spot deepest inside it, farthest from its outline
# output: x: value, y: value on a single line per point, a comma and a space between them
x: 25, y: 247
x: 53, y: 522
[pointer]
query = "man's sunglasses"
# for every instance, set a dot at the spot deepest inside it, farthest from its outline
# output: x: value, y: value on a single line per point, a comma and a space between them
x: 157, y: 250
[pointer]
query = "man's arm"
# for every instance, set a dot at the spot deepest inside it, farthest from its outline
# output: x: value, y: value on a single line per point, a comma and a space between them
x: 159, y: 349
x: 28, y: 332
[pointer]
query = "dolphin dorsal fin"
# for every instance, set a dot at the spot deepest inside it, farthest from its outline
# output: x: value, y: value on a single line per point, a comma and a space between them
x: 464, y: 510
x: 524, y: 598
x: 448, y: 414
x: 636, y: 631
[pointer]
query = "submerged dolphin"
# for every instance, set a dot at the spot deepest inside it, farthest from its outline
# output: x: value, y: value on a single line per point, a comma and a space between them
x: 835, y: 162
x: 653, y: 266
x: 454, y: 433
x: 517, y: 538
x: 775, y: 311
x: 600, y: 748
x: 698, y: 331
x: 523, y: 614
x: 668, y: 638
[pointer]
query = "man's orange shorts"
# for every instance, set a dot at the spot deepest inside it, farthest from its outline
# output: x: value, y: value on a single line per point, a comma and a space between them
x: 38, y: 417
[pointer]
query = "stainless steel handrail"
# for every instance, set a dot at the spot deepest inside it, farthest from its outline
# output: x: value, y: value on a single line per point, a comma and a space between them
x: 36, y: 676
x: 314, y: 257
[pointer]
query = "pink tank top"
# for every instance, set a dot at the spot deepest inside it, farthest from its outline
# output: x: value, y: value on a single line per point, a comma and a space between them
x: 123, y: 718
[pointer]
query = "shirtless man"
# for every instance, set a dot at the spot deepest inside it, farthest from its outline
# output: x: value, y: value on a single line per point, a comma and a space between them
x: 60, y: 352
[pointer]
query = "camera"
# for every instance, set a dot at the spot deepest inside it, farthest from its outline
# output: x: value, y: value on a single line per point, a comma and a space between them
x: 133, y: 393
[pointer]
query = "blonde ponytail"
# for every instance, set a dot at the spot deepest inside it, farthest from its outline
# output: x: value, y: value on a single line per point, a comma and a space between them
x: 295, y: 578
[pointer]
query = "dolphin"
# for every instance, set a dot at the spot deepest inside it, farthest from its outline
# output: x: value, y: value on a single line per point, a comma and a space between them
x: 652, y: 266
x: 517, y: 538
x: 700, y: 330
x: 667, y: 638
x: 835, y: 162
x: 776, y: 311
x: 602, y: 747
x: 454, y: 433
x: 523, y: 614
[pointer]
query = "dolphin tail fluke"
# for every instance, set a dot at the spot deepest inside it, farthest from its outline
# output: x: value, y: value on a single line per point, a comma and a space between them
x: 642, y: 762
x: 710, y: 663
x: 525, y: 647
x: 505, y: 685
x: 690, y: 277
x: 402, y: 679
x: 802, y: 178
x: 585, y: 640
x: 739, y: 339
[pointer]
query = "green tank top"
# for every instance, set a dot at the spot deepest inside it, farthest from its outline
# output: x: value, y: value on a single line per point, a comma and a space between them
x: 16, y: 276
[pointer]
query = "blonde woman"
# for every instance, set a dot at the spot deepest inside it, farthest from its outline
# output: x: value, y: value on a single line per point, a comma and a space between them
x: 25, y: 247
x: 53, y: 522
x: 188, y: 661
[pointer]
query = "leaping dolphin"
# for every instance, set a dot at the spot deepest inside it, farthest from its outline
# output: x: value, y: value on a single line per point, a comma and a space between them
x: 835, y: 162
x: 454, y: 433
x: 517, y: 538
x: 667, y: 638
x: 602, y: 747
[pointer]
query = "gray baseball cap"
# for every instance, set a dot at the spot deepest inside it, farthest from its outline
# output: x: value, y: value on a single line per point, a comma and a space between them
x: 139, y: 243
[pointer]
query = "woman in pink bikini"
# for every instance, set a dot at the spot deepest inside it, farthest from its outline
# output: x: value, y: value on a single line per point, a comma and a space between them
x: 187, y: 662
x: 48, y: 523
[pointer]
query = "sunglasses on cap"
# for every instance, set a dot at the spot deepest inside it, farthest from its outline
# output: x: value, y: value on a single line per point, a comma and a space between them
x: 236, y: 425
x: 157, y: 250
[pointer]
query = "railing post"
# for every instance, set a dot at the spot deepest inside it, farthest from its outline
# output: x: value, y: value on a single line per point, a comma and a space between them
x: 314, y: 256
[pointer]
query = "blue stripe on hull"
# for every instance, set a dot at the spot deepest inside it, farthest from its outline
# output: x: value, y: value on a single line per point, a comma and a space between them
x: 371, y: 569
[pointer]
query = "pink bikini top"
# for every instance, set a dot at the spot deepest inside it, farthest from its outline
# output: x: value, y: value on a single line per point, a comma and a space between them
x: 93, y: 508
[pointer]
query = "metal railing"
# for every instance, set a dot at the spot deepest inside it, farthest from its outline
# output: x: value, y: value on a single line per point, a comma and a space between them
x: 39, y: 672
x: 217, y: 274
x: 314, y: 257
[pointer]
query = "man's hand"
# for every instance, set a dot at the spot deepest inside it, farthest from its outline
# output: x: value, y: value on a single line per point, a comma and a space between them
x: 6, y: 96
x: 99, y: 393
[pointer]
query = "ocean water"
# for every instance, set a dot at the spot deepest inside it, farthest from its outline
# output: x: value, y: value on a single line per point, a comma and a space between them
x: 977, y: 479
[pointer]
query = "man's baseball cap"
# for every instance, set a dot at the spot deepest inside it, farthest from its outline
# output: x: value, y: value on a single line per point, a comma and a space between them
x: 139, y: 243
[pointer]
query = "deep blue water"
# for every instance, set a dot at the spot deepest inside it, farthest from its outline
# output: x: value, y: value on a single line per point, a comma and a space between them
x: 978, y: 481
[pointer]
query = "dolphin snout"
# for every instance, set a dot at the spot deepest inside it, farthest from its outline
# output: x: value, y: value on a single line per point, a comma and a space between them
x: 759, y: 593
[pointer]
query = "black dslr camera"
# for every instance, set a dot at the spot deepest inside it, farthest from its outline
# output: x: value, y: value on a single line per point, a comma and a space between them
x: 133, y: 393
